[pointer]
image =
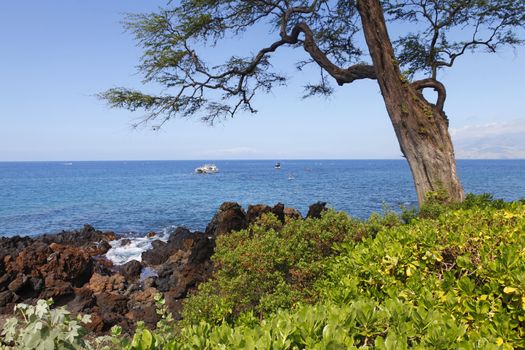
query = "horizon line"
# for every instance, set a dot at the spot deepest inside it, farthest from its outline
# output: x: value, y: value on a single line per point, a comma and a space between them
x: 225, y: 159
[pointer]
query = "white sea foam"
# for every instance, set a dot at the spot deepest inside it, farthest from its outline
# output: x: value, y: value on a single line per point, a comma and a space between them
x: 120, y: 254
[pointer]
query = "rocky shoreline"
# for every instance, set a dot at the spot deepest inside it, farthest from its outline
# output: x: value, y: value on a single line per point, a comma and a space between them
x: 71, y: 268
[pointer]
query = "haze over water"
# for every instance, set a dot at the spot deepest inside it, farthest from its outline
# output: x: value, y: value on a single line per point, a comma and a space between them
x: 141, y: 196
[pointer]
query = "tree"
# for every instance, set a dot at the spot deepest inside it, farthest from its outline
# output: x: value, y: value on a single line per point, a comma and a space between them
x: 328, y: 30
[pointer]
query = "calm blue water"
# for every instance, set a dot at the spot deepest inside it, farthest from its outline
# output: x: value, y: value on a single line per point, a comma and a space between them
x: 140, y: 196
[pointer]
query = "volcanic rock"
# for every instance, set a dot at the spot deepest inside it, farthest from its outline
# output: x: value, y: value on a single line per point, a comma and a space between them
x: 131, y: 269
x: 278, y: 211
x: 92, y: 241
x: 229, y: 217
x: 13, y: 245
x: 108, y: 284
x: 141, y: 306
x: 158, y: 253
x: 292, y: 213
x: 84, y: 299
x: 256, y: 211
x: 5, y: 298
x: 86, y: 236
x: 315, y: 210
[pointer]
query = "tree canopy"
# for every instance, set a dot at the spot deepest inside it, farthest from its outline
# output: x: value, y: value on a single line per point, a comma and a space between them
x: 437, y: 32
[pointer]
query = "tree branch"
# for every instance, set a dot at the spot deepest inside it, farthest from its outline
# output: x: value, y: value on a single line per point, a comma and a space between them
x: 341, y: 75
x: 171, y: 60
x: 437, y: 86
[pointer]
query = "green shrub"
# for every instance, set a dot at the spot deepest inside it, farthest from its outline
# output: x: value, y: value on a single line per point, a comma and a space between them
x: 453, y: 282
x: 467, y: 263
x: 267, y: 267
x: 436, y: 204
x: 40, y: 327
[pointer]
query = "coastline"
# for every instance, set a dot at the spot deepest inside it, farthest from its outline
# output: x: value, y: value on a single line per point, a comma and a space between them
x: 72, y: 268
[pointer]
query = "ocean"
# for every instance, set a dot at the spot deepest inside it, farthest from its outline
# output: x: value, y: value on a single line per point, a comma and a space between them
x: 142, y: 196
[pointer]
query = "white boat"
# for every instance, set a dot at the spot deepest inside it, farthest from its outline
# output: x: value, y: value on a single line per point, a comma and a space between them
x: 277, y: 166
x: 207, y: 169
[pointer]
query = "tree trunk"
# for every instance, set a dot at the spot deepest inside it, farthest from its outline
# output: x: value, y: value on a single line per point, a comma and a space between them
x: 421, y: 128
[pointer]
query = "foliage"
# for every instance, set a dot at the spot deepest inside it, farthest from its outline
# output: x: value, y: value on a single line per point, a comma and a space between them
x: 437, y: 203
x: 174, y: 41
x: 466, y: 265
x: 40, y: 327
x: 454, y: 281
x: 450, y: 28
x: 271, y: 266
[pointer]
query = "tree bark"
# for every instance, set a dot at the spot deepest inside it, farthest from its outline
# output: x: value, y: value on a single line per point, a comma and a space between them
x: 421, y: 127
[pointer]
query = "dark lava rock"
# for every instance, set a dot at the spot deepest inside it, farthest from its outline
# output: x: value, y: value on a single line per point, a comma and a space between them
x: 20, y: 282
x: 5, y: 279
x: 69, y: 264
x: 229, y: 217
x: 131, y: 269
x: 98, y: 248
x: 43, y: 271
x: 69, y: 268
x: 93, y: 241
x: 159, y: 253
x: 197, y: 243
x: 147, y: 314
x: 315, y: 210
x: 96, y: 325
x: 103, y: 266
x: 150, y: 282
x: 256, y: 211
x: 84, y: 299
x: 187, y: 263
x: 87, y: 235
x: 56, y: 289
x: 5, y: 298
x: 36, y: 283
x: 29, y: 258
x: 141, y: 306
x: 182, y: 239
x: 278, y: 211
x: 112, y: 303
x: 292, y: 213
x: 125, y: 242
x: 186, y: 268
x: 13, y: 245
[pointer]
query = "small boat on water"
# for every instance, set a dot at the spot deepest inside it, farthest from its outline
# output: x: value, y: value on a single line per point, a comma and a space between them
x: 291, y: 177
x: 207, y: 169
x: 277, y: 166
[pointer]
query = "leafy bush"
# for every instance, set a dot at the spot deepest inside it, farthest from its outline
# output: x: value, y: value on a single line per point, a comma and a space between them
x: 39, y: 327
x: 455, y: 281
x: 468, y: 265
x: 268, y: 266
x: 437, y: 204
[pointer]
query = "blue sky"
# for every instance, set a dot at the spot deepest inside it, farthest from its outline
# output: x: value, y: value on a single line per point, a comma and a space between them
x: 56, y: 55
